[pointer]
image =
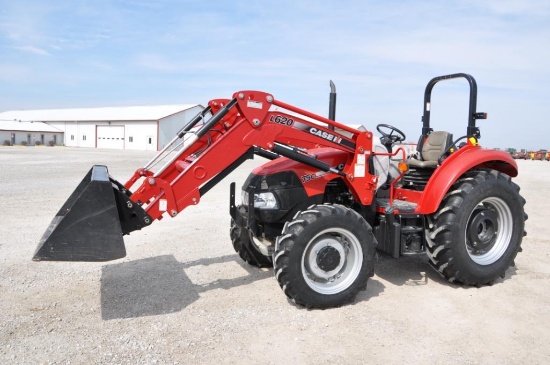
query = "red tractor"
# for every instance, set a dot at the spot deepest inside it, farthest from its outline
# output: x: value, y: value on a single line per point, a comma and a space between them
x: 540, y: 155
x: 330, y: 196
x: 519, y: 155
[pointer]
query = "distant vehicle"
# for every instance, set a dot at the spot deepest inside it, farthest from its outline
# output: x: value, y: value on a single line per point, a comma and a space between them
x: 540, y: 155
x: 519, y: 155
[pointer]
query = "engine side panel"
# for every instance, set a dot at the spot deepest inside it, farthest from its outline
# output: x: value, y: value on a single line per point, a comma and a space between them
x: 295, y: 186
x: 312, y: 180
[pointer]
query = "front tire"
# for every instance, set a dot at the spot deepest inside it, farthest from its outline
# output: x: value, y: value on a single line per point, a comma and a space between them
x: 324, y: 256
x: 247, y: 250
x: 476, y: 234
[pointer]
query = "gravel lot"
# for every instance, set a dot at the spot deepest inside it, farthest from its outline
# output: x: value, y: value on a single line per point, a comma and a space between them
x: 183, y: 296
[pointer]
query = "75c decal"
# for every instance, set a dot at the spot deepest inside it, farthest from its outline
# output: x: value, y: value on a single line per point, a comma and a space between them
x: 308, y: 177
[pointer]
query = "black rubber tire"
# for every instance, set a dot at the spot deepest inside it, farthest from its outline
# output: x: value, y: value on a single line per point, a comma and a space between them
x: 312, y: 231
x: 477, y: 231
x: 246, y: 249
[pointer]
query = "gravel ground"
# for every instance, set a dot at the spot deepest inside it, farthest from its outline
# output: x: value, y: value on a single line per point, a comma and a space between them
x: 183, y: 296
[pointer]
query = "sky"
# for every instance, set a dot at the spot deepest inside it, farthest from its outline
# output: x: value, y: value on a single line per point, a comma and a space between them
x: 380, y: 54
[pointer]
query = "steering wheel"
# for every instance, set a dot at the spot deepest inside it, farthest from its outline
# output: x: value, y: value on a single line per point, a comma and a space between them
x: 391, y: 137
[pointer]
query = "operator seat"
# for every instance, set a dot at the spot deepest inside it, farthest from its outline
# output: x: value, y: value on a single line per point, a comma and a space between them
x: 430, y: 149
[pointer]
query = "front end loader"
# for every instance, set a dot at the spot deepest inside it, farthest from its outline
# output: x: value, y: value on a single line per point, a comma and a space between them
x: 90, y: 225
x: 328, y: 198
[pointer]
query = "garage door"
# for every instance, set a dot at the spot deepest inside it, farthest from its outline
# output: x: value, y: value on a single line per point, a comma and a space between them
x: 110, y: 136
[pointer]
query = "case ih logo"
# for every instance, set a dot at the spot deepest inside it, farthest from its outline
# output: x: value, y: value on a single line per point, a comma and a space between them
x: 325, y: 135
x: 281, y: 119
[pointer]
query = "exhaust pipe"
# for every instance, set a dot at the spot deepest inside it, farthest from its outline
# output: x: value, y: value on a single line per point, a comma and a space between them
x: 332, y: 104
x: 91, y: 223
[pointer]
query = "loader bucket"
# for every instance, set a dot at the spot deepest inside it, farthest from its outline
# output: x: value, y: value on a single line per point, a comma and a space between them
x: 88, y: 226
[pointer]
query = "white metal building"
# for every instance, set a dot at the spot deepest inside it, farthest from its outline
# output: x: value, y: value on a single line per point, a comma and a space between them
x: 134, y: 127
x: 29, y: 133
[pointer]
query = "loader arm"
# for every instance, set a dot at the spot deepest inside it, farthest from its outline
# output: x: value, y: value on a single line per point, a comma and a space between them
x: 90, y: 225
x: 251, y: 122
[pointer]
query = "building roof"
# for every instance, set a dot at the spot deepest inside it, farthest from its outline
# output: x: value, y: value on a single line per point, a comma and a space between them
x: 12, y: 125
x: 153, y: 112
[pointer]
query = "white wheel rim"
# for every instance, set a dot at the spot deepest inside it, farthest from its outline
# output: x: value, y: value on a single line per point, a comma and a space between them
x: 500, y: 233
x: 344, y: 274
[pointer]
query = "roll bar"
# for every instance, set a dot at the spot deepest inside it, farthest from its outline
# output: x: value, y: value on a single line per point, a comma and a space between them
x: 473, y: 115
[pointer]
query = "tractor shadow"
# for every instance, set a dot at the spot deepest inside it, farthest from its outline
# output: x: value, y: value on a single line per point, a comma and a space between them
x: 406, y: 270
x: 415, y: 270
x: 411, y: 270
x: 160, y: 285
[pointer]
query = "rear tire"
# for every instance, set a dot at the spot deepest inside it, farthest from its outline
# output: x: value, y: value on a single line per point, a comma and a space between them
x: 476, y: 234
x: 247, y: 250
x: 324, y: 256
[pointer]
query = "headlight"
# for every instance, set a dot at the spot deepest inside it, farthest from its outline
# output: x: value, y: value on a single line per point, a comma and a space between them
x: 265, y: 201
x: 261, y: 200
